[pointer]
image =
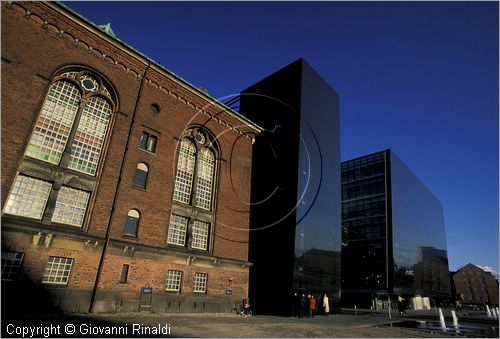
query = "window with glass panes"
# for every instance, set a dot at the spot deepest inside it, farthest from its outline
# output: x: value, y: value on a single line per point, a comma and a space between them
x: 57, y: 271
x: 185, y: 171
x: 132, y: 223
x: 200, y: 282
x: 54, y: 123
x: 28, y: 197
x: 90, y: 136
x: 200, y: 235
x: 71, y: 205
x: 11, y: 264
x: 148, y: 142
x: 173, y: 280
x: 141, y: 175
x: 204, y: 178
x: 177, y: 230
x: 63, y: 106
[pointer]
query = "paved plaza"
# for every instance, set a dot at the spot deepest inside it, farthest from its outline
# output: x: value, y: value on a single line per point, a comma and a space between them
x: 364, y: 324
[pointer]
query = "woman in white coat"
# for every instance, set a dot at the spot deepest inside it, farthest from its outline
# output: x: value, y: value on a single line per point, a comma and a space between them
x: 326, y: 306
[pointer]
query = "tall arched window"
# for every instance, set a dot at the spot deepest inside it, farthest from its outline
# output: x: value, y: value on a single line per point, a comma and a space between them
x: 194, y: 186
x: 76, y: 112
x: 185, y: 171
x: 70, y: 132
x: 204, y: 178
x: 54, y: 123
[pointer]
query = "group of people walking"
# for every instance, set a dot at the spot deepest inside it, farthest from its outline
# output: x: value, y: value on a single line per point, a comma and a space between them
x: 306, y: 305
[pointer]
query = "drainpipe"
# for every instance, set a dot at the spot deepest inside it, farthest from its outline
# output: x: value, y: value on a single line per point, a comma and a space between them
x: 106, y: 243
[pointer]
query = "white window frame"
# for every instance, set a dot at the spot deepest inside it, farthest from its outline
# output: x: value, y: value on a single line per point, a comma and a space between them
x: 71, y: 206
x: 174, y: 281
x: 200, y: 282
x: 200, y: 233
x: 177, y: 230
x: 28, y: 197
x: 57, y: 271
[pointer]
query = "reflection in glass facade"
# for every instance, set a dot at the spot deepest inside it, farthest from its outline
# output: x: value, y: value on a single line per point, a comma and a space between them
x: 393, y: 234
x: 295, y: 213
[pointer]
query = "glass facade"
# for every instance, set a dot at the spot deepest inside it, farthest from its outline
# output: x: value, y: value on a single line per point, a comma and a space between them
x: 364, y: 233
x: 393, y: 233
x: 418, y: 232
x: 295, y: 212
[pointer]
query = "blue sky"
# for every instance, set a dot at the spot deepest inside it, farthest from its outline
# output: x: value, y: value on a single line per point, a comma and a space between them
x: 421, y: 78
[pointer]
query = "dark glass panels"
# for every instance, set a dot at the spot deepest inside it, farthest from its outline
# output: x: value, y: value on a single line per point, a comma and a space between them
x: 393, y: 234
x: 295, y: 211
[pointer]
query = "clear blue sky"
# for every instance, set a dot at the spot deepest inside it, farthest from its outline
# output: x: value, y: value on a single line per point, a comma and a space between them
x: 421, y: 78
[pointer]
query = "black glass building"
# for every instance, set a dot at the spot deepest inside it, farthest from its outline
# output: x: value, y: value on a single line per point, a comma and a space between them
x: 295, y: 213
x: 393, y: 234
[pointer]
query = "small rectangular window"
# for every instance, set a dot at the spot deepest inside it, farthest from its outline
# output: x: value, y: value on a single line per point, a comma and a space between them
x: 200, y: 282
x: 148, y: 142
x: 124, y: 274
x: 57, y: 271
x: 11, y: 264
x: 173, y: 280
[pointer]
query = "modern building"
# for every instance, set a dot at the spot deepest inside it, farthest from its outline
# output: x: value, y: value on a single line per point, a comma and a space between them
x: 393, y: 234
x: 473, y: 285
x: 295, y: 207
x: 124, y: 187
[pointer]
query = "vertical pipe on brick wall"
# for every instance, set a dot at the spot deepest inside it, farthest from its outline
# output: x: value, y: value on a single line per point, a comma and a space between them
x: 105, y: 247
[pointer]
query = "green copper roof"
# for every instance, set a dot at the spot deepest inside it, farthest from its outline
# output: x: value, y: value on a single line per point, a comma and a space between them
x: 107, y: 28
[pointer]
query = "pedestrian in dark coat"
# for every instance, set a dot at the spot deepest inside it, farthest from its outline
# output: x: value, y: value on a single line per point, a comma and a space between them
x: 302, y: 309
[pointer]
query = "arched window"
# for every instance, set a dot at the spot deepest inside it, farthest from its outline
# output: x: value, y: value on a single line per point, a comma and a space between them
x: 70, y: 132
x: 204, y: 178
x: 196, y: 163
x: 194, y: 186
x: 141, y: 175
x: 185, y: 171
x: 76, y: 111
x: 132, y: 223
x: 54, y: 123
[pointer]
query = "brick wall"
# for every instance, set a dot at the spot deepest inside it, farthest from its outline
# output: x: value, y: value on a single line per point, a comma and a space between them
x: 28, y: 67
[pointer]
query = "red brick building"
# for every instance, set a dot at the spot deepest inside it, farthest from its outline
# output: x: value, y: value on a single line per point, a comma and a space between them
x: 473, y: 285
x: 123, y: 186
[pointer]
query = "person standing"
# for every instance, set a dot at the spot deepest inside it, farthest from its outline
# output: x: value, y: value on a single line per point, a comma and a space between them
x: 326, y: 305
x: 313, y: 305
x: 302, y: 308
x: 308, y: 306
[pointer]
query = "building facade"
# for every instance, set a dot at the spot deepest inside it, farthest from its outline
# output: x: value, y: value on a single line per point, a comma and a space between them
x: 118, y: 177
x: 393, y: 234
x: 473, y: 285
x: 295, y: 210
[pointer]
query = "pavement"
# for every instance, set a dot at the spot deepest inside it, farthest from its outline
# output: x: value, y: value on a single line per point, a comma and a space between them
x: 350, y: 324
